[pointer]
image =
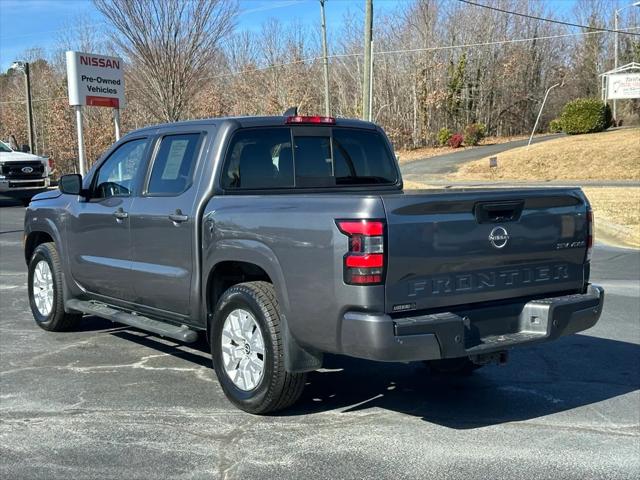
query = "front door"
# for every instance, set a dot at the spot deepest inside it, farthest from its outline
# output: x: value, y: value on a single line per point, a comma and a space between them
x: 99, y: 241
x: 162, y: 226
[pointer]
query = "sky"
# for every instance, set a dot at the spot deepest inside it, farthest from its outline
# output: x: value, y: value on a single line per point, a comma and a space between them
x: 26, y: 24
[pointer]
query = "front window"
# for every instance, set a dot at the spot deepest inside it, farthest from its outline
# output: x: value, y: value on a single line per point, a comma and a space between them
x: 4, y: 148
x: 116, y: 175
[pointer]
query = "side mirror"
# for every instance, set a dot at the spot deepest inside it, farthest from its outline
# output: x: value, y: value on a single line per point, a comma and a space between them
x: 25, y: 149
x: 70, y: 184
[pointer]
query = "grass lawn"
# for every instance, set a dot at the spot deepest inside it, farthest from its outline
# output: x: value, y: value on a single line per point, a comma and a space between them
x: 613, y: 155
x: 617, y: 214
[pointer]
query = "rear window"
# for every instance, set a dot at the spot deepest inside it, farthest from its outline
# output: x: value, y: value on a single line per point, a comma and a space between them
x: 283, y: 157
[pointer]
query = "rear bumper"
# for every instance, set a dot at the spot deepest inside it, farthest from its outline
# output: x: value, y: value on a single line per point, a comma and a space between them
x: 468, y: 333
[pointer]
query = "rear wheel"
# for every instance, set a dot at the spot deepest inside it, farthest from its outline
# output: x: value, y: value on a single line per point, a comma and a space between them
x: 248, y: 350
x: 45, y: 284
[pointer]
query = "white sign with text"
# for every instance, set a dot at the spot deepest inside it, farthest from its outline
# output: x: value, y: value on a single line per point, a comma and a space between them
x: 95, y: 80
x: 623, y: 85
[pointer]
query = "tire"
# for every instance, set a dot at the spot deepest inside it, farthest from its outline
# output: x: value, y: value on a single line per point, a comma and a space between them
x: 453, y: 366
x: 274, y: 388
x: 53, y: 318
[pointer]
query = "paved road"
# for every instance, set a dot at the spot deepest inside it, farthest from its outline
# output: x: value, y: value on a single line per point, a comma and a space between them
x: 435, y: 167
x: 113, y: 402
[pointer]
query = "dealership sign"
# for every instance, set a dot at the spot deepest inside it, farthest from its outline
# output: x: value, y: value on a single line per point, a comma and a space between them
x: 95, y: 80
x: 623, y: 85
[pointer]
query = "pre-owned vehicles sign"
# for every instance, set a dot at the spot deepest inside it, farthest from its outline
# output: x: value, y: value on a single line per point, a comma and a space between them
x: 95, y: 80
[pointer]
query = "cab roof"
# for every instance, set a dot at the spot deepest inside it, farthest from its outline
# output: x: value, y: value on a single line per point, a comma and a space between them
x: 253, y: 121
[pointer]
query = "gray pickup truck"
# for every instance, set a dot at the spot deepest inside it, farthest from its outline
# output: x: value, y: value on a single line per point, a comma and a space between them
x: 284, y: 238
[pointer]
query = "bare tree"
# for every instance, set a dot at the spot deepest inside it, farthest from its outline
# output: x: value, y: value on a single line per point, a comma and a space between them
x: 168, y: 45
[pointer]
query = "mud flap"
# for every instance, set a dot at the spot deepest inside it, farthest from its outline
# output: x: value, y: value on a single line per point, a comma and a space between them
x: 296, y: 358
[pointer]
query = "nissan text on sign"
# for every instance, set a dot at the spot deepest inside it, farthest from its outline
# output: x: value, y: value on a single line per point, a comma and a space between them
x: 95, y: 80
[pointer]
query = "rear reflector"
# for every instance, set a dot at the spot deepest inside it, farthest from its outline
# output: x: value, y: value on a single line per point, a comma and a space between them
x: 311, y: 119
x: 366, y: 279
x: 364, y: 262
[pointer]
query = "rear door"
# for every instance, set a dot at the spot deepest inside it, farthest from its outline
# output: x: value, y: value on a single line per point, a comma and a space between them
x: 459, y: 247
x: 162, y: 224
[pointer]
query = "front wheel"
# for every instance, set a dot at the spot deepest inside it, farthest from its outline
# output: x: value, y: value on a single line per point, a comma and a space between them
x: 45, y: 284
x: 248, y: 350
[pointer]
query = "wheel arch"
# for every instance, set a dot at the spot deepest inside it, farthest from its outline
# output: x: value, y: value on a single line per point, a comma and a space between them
x: 32, y: 241
x: 39, y: 232
x: 255, y: 259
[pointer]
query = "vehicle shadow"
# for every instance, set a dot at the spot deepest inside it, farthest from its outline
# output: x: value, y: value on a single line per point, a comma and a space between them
x: 538, y: 381
x: 10, y: 201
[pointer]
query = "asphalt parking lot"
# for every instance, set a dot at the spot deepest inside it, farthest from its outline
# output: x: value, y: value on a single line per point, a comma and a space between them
x: 109, y: 401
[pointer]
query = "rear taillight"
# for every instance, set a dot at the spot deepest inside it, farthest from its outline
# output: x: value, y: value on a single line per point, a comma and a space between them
x: 589, y: 233
x: 364, y: 263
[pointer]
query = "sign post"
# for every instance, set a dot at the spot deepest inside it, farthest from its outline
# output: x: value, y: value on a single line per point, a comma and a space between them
x: 81, y: 159
x: 94, y: 81
x: 116, y: 122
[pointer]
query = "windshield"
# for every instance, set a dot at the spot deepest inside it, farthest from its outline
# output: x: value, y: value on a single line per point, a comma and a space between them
x: 4, y: 148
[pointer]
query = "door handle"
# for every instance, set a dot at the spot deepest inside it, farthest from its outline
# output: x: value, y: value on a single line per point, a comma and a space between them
x: 178, y: 217
x: 120, y: 214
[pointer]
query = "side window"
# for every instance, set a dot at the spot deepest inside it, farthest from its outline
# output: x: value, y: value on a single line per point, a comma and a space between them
x: 259, y: 158
x: 173, y: 166
x: 117, y: 174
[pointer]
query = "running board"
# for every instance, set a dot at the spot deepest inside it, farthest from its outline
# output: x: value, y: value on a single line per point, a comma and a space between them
x: 183, y: 333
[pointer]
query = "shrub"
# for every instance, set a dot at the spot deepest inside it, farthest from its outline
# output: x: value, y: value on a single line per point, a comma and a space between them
x: 444, y: 135
x: 585, y: 115
x: 456, y: 140
x: 555, y: 125
x: 474, y: 133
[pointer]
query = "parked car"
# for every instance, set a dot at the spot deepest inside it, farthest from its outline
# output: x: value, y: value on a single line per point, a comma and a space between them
x: 22, y: 175
x: 285, y: 238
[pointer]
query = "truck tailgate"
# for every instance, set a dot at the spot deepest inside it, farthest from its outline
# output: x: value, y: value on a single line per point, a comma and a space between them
x: 456, y: 247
